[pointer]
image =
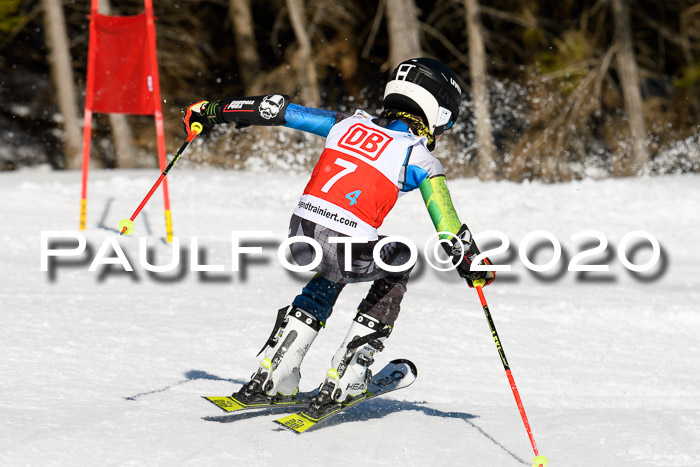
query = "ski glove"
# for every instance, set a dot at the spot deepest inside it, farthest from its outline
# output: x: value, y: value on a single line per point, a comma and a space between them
x: 204, y: 112
x: 463, y: 252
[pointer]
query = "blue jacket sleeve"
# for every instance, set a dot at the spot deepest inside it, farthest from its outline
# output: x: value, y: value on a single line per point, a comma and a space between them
x: 316, y: 121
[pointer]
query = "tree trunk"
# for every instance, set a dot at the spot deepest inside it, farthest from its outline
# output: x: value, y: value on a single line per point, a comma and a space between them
x: 404, y: 31
x: 241, y: 15
x: 121, y: 131
x: 629, y: 80
x: 304, y: 60
x: 485, y: 149
x: 686, y: 28
x: 62, y: 75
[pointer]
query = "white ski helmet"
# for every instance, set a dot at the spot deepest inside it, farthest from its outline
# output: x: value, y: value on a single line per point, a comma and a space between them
x: 425, y: 87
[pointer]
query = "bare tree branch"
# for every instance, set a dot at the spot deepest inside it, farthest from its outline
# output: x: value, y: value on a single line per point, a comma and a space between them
x: 304, y: 60
x: 381, y: 8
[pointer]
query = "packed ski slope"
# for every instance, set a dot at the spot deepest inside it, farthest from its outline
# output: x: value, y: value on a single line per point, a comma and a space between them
x: 107, y: 367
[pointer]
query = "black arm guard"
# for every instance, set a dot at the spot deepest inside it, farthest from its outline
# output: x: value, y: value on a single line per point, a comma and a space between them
x: 256, y: 110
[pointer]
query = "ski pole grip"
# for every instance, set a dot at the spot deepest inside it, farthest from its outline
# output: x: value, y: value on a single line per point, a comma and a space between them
x: 196, y: 127
x: 479, y: 282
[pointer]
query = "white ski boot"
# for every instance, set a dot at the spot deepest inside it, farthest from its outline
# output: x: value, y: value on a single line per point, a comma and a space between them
x: 277, y: 378
x: 350, y: 375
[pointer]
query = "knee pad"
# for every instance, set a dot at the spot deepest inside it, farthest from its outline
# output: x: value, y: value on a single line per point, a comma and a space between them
x: 318, y: 298
x: 383, y: 301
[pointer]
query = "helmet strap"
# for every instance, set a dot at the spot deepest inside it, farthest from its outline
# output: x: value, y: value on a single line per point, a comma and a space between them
x: 416, y: 124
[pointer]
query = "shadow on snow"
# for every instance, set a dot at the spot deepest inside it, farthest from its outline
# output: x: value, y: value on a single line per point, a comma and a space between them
x: 189, y: 376
x: 370, y: 410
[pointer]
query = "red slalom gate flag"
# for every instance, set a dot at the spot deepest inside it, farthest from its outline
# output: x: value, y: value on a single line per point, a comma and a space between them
x: 123, y: 79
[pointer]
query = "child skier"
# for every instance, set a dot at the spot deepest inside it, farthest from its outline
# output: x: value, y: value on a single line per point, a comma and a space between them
x: 367, y: 162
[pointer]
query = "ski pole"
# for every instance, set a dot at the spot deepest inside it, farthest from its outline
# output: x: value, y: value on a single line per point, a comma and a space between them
x: 538, y: 460
x: 126, y: 226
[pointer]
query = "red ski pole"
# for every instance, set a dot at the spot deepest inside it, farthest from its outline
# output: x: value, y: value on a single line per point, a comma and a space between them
x: 126, y: 226
x: 538, y: 460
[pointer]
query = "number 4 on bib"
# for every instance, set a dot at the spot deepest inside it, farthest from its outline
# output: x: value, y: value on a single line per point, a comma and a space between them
x: 352, y: 196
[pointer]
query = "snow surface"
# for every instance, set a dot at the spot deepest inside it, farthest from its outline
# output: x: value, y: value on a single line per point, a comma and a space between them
x: 106, y: 367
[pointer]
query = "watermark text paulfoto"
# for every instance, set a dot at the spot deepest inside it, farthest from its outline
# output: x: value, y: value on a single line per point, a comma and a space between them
x: 62, y: 244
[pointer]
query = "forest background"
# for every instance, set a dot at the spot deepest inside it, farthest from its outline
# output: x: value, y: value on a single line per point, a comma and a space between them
x: 557, y: 90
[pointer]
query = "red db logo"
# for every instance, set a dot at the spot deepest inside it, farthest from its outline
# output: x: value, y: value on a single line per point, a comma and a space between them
x: 365, y: 141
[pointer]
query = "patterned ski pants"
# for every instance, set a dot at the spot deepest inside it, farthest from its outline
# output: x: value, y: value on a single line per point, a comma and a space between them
x: 384, y: 297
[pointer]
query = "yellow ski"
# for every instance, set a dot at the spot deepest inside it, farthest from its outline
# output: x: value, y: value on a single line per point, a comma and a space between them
x: 297, y: 422
x: 397, y: 374
x: 229, y: 404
